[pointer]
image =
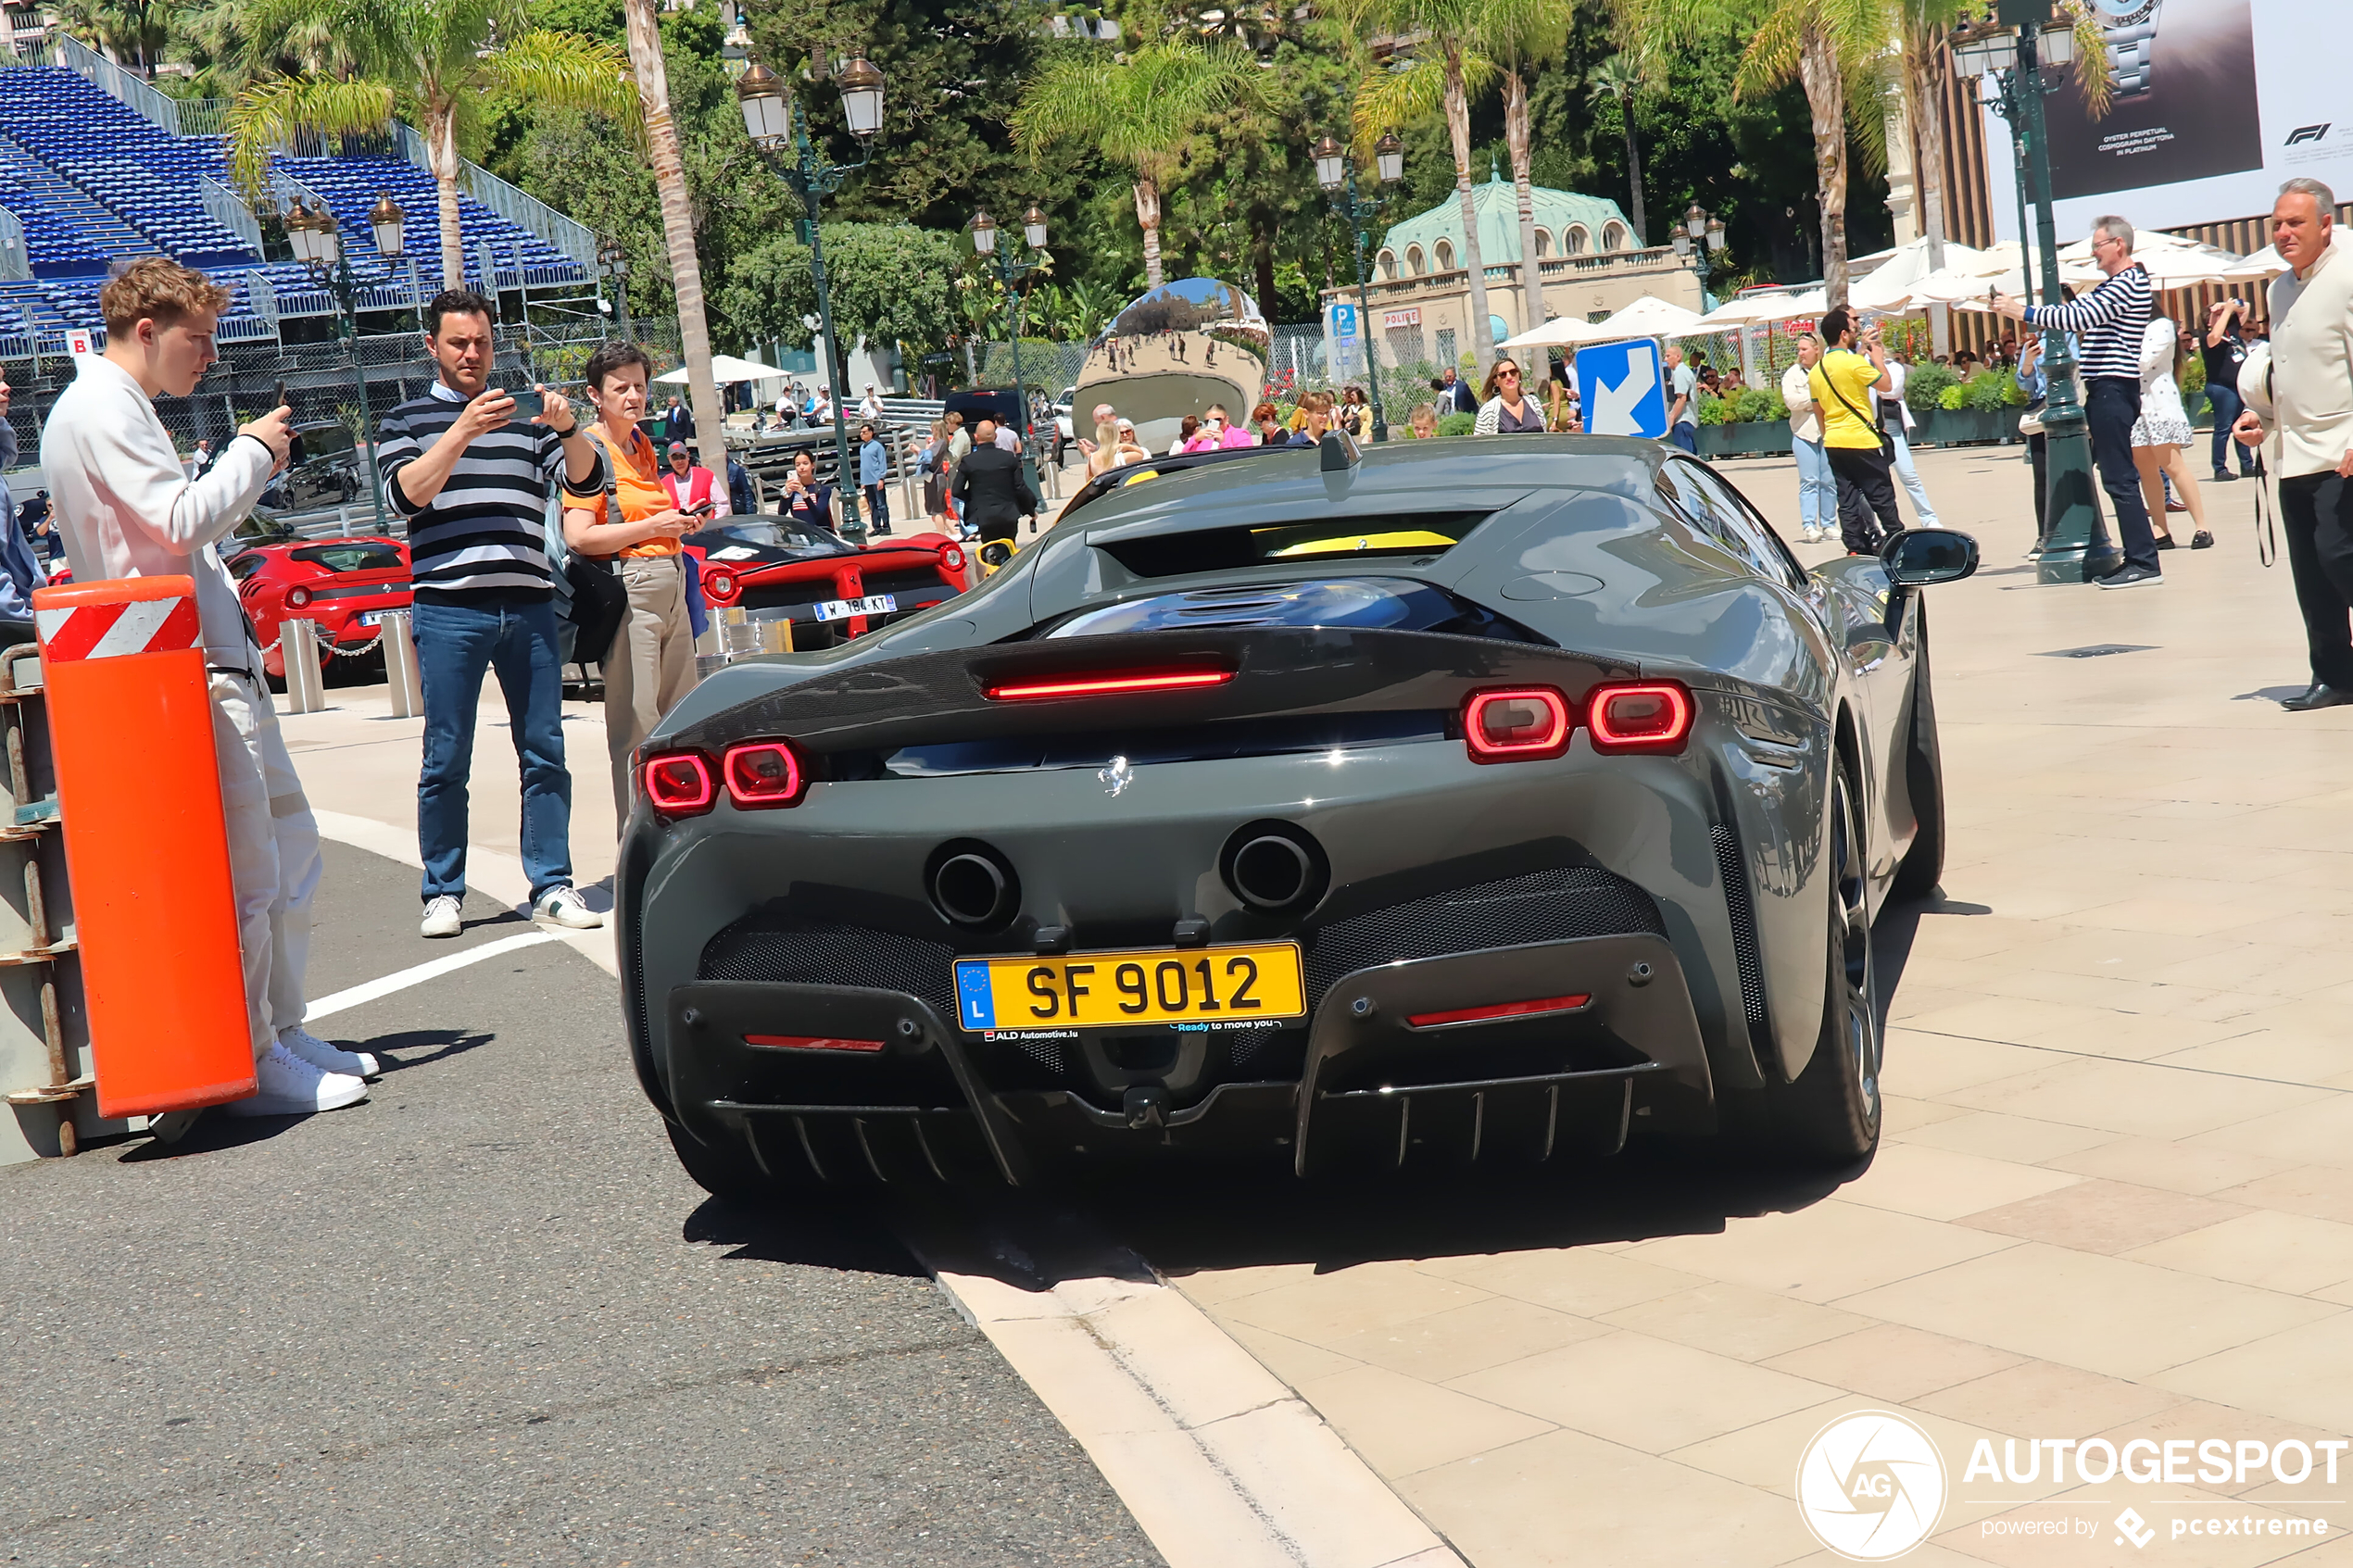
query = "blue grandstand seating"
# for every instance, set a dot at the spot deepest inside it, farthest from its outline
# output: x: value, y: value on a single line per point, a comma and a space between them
x: 90, y: 180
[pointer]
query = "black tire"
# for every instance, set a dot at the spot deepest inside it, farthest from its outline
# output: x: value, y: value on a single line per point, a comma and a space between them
x: 725, y: 1170
x: 1923, y: 864
x: 1831, y: 1115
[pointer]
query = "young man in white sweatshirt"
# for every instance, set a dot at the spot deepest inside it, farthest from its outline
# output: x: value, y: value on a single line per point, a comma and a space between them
x: 128, y: 511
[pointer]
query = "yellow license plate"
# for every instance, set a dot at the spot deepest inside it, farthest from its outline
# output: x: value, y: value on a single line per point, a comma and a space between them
x: 1112, y: 990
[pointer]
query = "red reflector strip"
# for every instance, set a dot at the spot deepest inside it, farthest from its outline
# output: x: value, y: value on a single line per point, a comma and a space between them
x: 1106, y: 685
x: 811, y: 1043
x: 1498, y: 1010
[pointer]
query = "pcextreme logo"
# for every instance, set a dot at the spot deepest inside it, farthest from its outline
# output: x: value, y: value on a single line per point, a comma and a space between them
x: 1871, y: 1485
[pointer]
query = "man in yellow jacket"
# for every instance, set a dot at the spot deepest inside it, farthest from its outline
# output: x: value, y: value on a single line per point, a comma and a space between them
x: 1842, y: 383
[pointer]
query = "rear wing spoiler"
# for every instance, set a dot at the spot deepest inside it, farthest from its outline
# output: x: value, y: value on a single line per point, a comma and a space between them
x: 1337, y: 450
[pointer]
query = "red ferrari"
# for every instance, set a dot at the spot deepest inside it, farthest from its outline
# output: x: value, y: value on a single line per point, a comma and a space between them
x: 830, y: 588
x: 342, y: 584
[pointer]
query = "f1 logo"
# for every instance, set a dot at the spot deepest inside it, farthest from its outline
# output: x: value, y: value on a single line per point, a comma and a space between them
x: 2307, y: 133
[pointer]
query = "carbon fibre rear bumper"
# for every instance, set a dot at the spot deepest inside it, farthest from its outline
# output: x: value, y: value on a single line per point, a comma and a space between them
x: 1376, y: 1090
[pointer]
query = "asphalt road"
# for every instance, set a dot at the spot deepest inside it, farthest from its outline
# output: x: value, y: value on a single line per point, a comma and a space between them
x: 484, y: 1318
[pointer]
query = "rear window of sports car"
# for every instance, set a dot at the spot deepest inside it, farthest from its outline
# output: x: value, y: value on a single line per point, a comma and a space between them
x: 354, y: 556
x: 1425, y: 535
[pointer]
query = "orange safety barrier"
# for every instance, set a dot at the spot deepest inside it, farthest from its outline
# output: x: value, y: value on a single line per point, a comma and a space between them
x: 139, y: 802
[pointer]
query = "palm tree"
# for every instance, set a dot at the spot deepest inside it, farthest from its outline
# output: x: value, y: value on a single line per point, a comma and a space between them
x: 1139, y: 113
x: 1453, y: 69
x: 652, y: 83
x: 1832, y: 46
x: 134, y: 31
x: 1616, y: 78
x: 1522, y: 35
x: 433, y: 60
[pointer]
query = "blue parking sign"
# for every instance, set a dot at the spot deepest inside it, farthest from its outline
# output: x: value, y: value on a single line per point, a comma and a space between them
x: 1623, y: 388
x: 1343, y: 319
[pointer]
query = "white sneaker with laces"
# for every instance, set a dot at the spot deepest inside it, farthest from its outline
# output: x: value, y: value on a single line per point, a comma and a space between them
x: 291, y: 1086
x: 441, y: 917
x: 564, y: 907
x: 327, y: 1058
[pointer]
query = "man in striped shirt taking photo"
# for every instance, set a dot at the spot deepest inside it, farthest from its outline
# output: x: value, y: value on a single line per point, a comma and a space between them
x: 474, y: 483
x: 2110, y: 322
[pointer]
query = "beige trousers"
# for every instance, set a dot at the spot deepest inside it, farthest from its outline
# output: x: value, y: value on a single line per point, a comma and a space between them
x: 651, y: 665
x: 274, y: 852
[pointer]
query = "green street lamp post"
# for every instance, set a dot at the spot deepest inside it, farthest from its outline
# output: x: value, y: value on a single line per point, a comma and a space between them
x: 1699, y: 241
x: 769, y: 117
x: 318, y: 245
x: 1336, y: 172
x: 2074, y: 547
x: 1033, y: 231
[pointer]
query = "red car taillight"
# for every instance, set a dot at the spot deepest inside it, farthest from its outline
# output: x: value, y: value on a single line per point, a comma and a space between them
x: 1654, y: 716
x: 719, y: 585
x: 762, y: 773
x: 1517, y: 725
x: 1109, y: 683
x: 298, y: 598
x: 952, y: 559
x: 678, y: 784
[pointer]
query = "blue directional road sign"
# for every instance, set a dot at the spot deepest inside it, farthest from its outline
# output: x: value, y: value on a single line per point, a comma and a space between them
x: 1623, y: 388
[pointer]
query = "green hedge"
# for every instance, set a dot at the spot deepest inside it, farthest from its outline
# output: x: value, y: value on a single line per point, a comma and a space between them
x: 1457, y: 425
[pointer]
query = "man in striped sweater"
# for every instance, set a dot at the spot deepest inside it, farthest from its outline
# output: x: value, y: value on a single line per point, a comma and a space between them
x: 475, y: 484
x: 2110, y: 322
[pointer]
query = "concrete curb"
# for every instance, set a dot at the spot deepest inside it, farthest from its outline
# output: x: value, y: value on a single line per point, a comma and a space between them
x: 1221, y: 1464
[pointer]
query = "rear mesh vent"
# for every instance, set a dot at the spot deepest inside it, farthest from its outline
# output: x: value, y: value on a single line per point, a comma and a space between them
x: 1744, y: 915
x: 1551, y: 906
x: 779, y: 949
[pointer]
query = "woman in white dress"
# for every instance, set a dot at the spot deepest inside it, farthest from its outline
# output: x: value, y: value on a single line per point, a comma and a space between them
x: 2162, y: 434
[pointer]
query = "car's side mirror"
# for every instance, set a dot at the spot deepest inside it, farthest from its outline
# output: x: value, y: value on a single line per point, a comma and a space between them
x: 1920, y: 558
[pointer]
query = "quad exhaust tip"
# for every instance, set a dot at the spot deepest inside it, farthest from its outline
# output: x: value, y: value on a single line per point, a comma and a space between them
x: 1273, y: 866
x: 972, y: 885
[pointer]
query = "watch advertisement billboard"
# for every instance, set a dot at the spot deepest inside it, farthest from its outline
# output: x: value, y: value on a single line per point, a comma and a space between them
x: 2213, y: 104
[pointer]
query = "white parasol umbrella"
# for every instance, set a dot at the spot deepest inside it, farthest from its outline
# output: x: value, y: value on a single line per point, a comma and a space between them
x: 1888, y: 285
x: 1647, y: 317
x: 1561, y: 331
x: 1757, y: 309
x: 727, y: 367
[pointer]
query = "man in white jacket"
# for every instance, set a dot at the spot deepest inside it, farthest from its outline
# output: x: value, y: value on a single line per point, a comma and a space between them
x: 2302, y: 397
x: 1817, y: 488
x: 127, y: 510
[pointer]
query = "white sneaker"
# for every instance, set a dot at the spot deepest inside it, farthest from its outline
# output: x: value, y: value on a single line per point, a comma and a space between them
x: 327, y: 1058
x: 441, y: 917
x: 564, y: 907
x: 291, y: 1086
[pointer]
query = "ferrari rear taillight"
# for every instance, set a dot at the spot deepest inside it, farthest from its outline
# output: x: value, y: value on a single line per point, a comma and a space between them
x: 1654, y: 717
x: 1109, y: 683
x: 952, y: 559
x: 811, y: 1043
x: 1516, y: 724
x: 759, y: 775
x: 298, y: 598
x: 1531, y: 724
x: 678, y: 784
x: 719, y: 585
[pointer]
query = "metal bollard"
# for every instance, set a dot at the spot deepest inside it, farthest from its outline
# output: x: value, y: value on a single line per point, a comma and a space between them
x: 402, y: 678
x: 305, y: 684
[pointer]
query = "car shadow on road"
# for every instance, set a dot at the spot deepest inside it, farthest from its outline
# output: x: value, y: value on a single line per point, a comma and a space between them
x: 843, y: 1232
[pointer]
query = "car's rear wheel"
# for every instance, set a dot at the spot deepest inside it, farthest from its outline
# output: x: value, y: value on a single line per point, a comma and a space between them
x: 1831, y: 1115
x: 1924, y: 782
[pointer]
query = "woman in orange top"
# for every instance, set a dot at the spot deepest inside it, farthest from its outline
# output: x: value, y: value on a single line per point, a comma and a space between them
x: 651, y: 662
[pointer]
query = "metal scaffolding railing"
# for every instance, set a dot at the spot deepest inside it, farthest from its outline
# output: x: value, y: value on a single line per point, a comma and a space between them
x: 16, y: 261
x: 224, y: 208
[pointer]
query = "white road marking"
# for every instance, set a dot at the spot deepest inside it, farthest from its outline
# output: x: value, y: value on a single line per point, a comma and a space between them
x: 401, y: 981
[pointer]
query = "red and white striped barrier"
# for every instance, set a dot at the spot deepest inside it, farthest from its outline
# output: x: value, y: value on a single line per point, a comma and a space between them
x: 107, y: 630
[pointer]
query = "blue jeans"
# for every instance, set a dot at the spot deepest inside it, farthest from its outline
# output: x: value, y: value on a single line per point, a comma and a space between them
x: 1687, y: 437
x: 1909, y: 477
x: 2227, y: 406
x: 455, y: 645
x: 877, y: 504
x: 1817, y: 487
x: 2112, y: 405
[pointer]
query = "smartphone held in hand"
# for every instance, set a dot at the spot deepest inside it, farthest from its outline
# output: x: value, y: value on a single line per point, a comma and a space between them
x: 529, y: 404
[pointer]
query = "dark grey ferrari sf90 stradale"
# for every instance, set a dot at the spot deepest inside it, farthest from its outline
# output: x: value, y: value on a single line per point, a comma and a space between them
x: 1444, y: 801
